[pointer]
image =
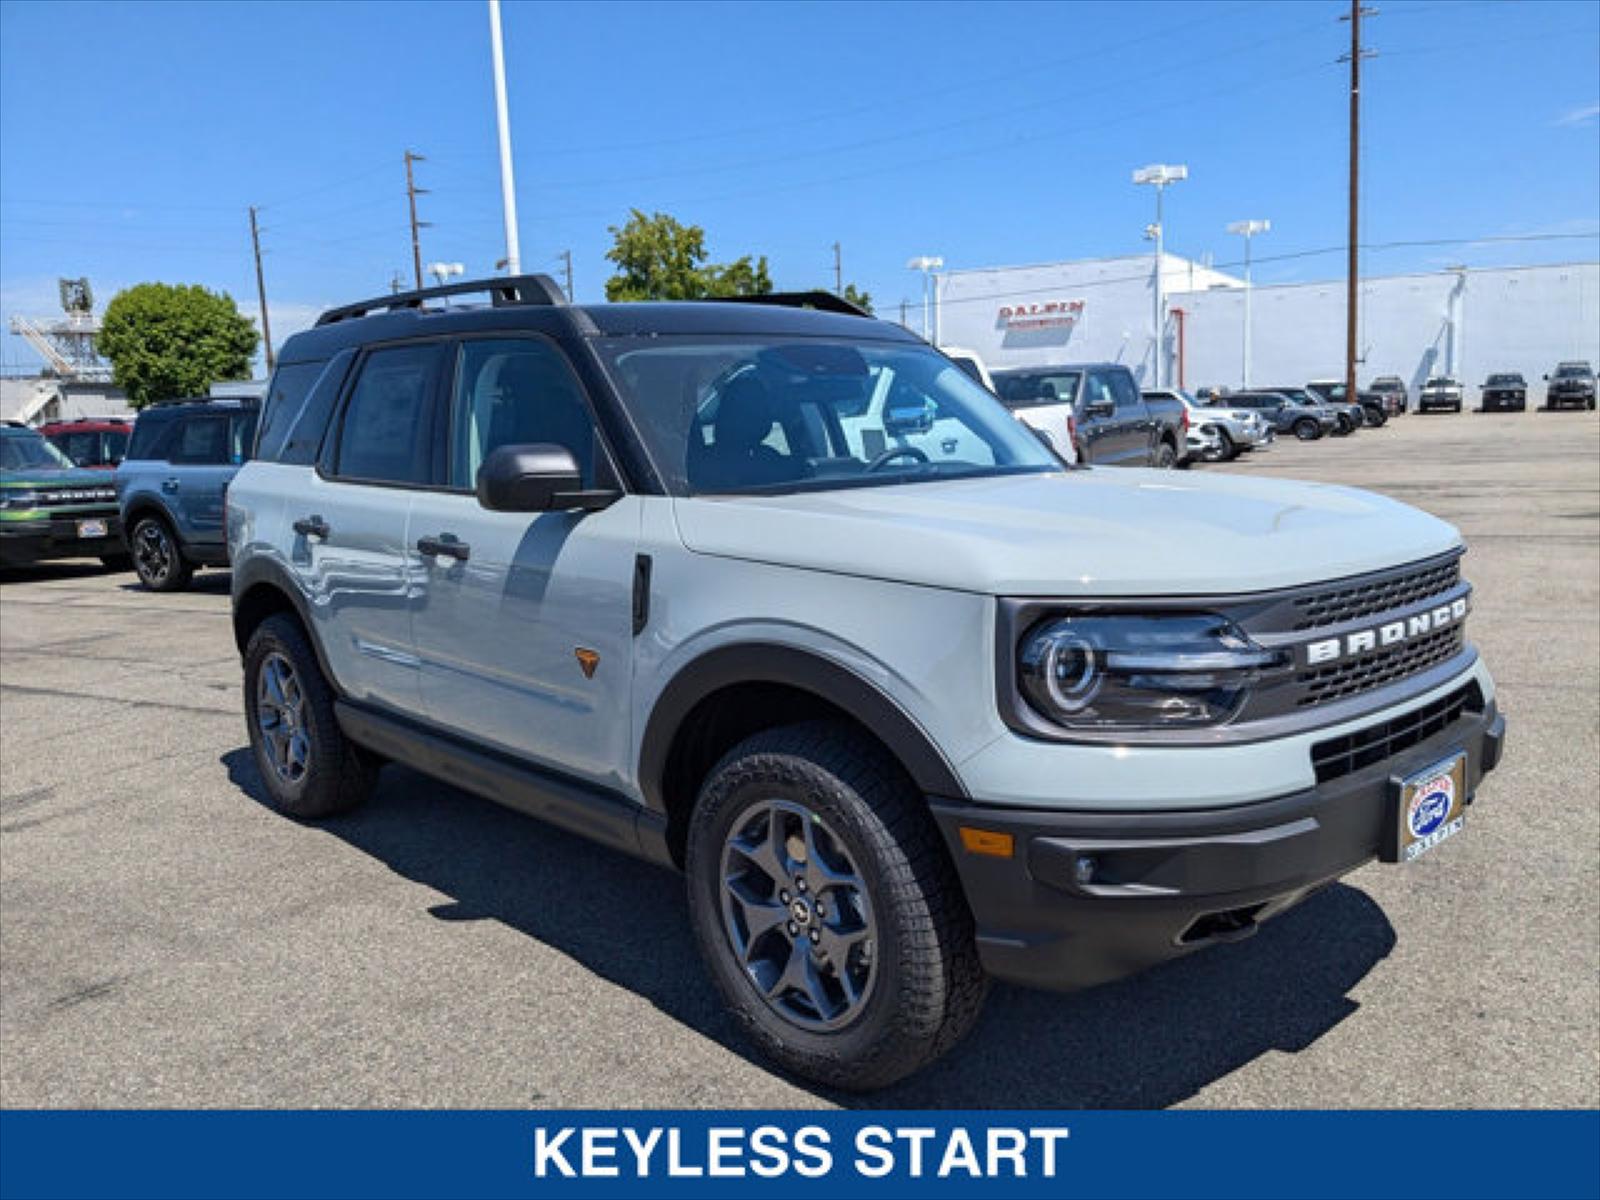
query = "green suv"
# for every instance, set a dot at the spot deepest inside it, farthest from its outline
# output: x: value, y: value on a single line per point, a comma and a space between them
x: 52, y: 509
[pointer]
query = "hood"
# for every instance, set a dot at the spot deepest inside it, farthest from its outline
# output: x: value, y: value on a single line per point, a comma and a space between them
x: 1102, y: 532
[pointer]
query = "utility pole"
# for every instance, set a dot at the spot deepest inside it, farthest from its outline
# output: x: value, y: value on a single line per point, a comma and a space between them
x: 566, y: 258
x: 412, y: 192
x: 261, y: 290
x: 838, y: 271
x: 1354, y: 268
x: 395, y: 283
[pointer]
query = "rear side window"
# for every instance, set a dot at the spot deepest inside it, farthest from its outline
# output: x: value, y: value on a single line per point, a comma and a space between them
x: 203, y: 440
x: 386, y: 435
x: 286, y: 398
x: 149, y: 436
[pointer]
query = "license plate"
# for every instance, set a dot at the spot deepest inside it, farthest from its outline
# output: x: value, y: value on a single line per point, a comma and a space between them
x: 91, y: 529
x: 1432, y: 807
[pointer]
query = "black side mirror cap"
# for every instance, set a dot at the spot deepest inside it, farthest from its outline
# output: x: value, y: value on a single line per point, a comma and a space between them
x: 537, y: 478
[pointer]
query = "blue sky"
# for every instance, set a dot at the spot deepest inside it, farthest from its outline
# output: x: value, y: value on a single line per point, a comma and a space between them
x: 135, y: 135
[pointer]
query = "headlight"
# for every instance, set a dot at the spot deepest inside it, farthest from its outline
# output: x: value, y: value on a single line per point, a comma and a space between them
x: 1141, y: 672
x: 19, y: 499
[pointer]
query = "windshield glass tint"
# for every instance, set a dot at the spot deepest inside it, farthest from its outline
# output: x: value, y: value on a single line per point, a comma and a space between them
x: 30, y: 452
x: 1033, y: 389
x: 732, y: 415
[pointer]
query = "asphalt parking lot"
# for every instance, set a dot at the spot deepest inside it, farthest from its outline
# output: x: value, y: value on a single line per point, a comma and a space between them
x: 167, y: 940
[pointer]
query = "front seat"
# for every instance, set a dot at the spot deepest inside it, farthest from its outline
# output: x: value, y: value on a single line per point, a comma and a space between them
x: 738, y: 456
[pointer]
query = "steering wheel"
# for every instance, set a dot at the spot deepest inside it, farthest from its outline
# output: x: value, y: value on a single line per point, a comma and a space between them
x: 894, y: 452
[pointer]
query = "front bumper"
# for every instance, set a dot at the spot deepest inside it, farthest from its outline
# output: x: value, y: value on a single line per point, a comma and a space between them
x: 53, y: 537
x: 1166, y: 883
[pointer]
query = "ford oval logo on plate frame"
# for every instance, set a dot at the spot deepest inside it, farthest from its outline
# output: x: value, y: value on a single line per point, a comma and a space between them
x: 1431, y: 807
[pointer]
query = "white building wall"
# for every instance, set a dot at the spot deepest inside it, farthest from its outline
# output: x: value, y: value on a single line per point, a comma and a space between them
x: 1497, y: 319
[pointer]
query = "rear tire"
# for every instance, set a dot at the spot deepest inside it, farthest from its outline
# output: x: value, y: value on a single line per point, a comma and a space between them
x: 157, y: 558
x: 868, y: 971
x: 1307, y: 430
x: 307, y: 766
x: 1166, y: 457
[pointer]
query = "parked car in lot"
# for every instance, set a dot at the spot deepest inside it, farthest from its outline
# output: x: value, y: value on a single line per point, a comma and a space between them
x: 1369, y: 408
x: 51, y: 509
x: 1440, y: 393
x: 1571, y: 385
x: 1393, y: 390
x: 904, y: 721
x: 98, y: 442
x: 1097, y: 409
x: 1227, y: 432
x: 172, y: 486
x: 1289, y: 410
x: 970, y: 362
x: 1505, y: 393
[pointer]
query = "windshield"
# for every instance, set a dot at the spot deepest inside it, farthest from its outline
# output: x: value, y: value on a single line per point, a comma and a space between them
x: 740, y: 415
x: 1440, y: 381
x: 30, y: 452
x: 1035, y: 389
x: 1495, y: 379
x: 1571, y: 370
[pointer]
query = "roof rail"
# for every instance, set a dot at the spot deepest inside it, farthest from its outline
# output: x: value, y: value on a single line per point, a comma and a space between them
x: 176, y: 401
x: 818, y: 299
x: 503, y: 291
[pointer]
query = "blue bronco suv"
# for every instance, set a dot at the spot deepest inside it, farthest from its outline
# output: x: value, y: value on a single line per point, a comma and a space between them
x: 172, y: 486
x: 774, y: 594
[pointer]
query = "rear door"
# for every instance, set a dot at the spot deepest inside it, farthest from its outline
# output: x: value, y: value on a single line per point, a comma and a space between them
x: 524, y: 621
x: 201, y: 459
x: 350, y: 525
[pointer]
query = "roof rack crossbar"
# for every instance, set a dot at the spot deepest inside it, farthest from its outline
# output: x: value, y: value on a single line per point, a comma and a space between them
x: 818, y: 299
x: 503, y: 291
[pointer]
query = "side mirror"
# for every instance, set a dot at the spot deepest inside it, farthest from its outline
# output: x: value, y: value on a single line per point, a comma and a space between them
x: 902, y: 419
x: 1100, y: 408
x: 536, y: 478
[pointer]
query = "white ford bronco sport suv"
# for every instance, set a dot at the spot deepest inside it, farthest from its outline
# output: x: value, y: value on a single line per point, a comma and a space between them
x: 782, y: 598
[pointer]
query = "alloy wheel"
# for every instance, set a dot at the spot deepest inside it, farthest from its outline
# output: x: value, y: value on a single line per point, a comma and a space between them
x: 153, y: 553
x: 280, y: 718
x: 797, y: 915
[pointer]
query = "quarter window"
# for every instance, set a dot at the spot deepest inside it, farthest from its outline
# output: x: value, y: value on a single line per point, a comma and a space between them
x: 516, y: 391
x: 203, y: 440
x: 386, y: 434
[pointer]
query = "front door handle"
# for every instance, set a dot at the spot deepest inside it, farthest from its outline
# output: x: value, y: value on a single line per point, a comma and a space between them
x: 309, y: 526
x: 446, y: 545
x: 169, y: 485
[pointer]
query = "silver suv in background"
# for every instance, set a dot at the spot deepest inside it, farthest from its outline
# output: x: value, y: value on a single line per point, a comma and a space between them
x: 1441, y: 393
x: 1231, y: 431
x: 781, y: 598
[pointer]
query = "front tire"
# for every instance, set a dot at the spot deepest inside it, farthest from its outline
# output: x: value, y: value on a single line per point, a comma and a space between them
x: 826, y: 908
x: 1166, y: 457
x: 1307, y: 430
x: 157, y: 558
x: 307, y: 765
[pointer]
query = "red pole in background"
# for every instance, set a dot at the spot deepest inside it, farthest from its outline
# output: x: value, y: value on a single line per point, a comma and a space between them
x: 1180, y: 314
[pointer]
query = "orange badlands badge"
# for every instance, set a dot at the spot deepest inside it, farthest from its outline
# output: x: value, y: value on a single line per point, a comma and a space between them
x: 587, y: 659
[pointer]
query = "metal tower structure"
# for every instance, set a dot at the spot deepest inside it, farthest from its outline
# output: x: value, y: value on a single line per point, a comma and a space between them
x: 67, y: 343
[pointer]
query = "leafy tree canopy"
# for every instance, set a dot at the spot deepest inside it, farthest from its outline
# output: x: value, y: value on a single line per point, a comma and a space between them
x: 166, y: 341
x: 857, y: 297
x: 660, y: 258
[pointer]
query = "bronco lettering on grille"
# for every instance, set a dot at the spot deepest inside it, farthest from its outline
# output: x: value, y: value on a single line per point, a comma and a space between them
x: 1386, y: 636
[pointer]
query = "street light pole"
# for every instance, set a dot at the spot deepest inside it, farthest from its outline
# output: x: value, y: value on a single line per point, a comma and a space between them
x: 1159, y: 176
x: 1247, y: 230
x: 508, y: 186
x: 927, y: 264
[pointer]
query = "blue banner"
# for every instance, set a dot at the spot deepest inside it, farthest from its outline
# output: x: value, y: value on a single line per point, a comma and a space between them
x: 709, y: 1154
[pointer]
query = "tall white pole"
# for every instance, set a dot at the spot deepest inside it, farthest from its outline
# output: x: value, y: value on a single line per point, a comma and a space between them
x: 508, y: 186
x: 927, y: 305
x: 1160, y: 235
x: 1248, y: 290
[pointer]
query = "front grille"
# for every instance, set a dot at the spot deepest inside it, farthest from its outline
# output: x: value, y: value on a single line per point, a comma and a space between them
x: 1372, y: 670
x: 1362, y: 600
x: 55, y: 497
x: 1341, y: 756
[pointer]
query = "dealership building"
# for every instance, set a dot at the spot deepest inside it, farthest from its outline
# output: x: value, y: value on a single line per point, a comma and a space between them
x: 1466, y: 322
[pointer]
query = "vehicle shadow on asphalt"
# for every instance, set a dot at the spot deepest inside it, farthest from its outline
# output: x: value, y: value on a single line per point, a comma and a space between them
x: 1146, y: 1042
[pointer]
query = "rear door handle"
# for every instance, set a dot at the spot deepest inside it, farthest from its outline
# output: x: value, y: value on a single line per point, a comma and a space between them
x: 446, y: 545
x: 309, y: 526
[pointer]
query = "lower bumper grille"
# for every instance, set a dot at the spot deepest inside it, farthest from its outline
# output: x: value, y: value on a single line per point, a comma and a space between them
x: 1341, y: 756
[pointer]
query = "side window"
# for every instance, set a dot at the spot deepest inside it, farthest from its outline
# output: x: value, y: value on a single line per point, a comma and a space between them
x: 286, y: 398
x: 202, y: 441
x: 243, y: 435
x: 116, y: 446
x: 1125, y: 392
x: 515, y: 391
x: 1096, y: 390
x: 385, y: 436
x: 149, y: 439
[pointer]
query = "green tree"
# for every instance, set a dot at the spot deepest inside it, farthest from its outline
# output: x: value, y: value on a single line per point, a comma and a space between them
x: 857, y: 297
x: 166, y: 341
x: 660, y: 258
